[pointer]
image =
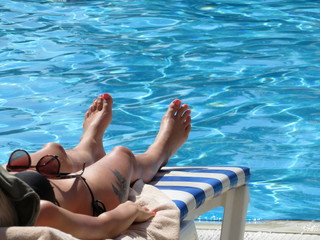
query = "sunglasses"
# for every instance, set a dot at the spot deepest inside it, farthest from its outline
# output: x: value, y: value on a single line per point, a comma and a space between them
x: 48, y: 165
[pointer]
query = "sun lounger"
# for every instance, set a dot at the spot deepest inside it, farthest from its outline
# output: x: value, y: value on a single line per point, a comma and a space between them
x: 196, y: 190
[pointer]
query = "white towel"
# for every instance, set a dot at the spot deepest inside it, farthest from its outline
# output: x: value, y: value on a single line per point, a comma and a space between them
x: 165, y: 224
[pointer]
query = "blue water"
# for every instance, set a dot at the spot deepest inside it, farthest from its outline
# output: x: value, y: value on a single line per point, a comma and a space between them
x: 248, y: 69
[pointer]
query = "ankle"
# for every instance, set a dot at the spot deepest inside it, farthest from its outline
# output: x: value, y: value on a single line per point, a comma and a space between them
x: 157, y: 155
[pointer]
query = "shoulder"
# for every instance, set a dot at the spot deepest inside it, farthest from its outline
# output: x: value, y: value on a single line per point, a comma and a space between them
x: 47, y: 206
x: 49, y: 212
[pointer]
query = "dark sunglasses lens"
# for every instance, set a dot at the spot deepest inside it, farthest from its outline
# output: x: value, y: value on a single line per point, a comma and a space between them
x: 49, y: 166
x: 19, y: 161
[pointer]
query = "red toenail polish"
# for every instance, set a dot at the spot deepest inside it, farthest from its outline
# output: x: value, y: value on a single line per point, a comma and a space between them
x: 106, y: 96
x: 177, y: 102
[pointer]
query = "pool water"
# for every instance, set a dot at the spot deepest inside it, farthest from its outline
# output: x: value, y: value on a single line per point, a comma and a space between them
x: 248, y: 69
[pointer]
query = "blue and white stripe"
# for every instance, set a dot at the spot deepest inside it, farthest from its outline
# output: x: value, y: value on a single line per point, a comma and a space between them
x: 190, y: 187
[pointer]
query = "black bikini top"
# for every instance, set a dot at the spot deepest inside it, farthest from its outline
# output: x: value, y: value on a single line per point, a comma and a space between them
x: 41, y: 185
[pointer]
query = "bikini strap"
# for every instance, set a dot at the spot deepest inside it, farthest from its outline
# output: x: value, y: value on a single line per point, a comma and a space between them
x: 98, y: 206
x: 85, y: 182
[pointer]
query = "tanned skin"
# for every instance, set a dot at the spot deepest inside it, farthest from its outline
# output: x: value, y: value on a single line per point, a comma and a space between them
x: 109, y: 175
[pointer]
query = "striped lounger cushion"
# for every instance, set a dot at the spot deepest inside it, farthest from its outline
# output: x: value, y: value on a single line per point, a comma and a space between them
x: 190, y: 187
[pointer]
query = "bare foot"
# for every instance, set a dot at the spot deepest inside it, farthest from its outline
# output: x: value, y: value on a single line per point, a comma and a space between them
x: 174, y: 130
x: 96, y: 121
x: 98, y: 118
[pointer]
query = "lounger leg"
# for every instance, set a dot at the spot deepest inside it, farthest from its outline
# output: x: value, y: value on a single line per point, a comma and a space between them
x: 235, y: 212
x: 188, y: 230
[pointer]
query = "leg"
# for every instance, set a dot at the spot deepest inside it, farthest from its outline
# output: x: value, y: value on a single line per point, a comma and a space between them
x: 174, y: 130
x: 90, y: 147
x: 235, y: 211
x: 110, y: 177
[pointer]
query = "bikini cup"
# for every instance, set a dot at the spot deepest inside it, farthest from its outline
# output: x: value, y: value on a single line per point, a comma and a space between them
x: 40, y: 184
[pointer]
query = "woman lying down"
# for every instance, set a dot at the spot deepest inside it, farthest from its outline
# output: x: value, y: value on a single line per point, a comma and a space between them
x: 84, y: 191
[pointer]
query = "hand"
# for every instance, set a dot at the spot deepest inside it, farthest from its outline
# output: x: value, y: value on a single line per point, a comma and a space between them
x: 144, y: 214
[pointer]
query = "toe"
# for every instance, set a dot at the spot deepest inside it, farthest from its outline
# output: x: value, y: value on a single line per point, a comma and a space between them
x: 100, y: 103
x: 188, y: 120
x: 87, y: 113
x: 107, y: 96
x: 108, y: 101
x: 174, y: 107
x: 91, y: 109
x: 188, y: 127
x: 182, y: 110
x: 186, y: 114
x: 94, y: 105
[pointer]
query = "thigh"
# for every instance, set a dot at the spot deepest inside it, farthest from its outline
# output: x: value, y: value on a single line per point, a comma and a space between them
x: 110, y: 177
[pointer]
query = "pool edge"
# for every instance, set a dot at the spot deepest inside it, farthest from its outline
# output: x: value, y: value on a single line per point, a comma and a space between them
x: 276, y: 226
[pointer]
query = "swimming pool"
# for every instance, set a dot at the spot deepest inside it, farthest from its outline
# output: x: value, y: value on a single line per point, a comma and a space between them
x: 248, y: 69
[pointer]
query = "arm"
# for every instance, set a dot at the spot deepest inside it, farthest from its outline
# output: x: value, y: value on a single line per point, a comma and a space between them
x: 107, y: 225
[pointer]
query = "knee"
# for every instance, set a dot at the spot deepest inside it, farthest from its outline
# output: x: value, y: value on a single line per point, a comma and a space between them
x: 54, y: 146
x: 56, y: 149
x: 125, y: 153
x: 123, y: 150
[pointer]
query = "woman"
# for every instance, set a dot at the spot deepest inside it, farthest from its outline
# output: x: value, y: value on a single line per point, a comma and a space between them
x: 94, y: 199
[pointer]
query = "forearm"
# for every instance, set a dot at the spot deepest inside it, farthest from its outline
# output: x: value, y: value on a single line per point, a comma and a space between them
x: 119, y: 219
x: 108, y: 225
